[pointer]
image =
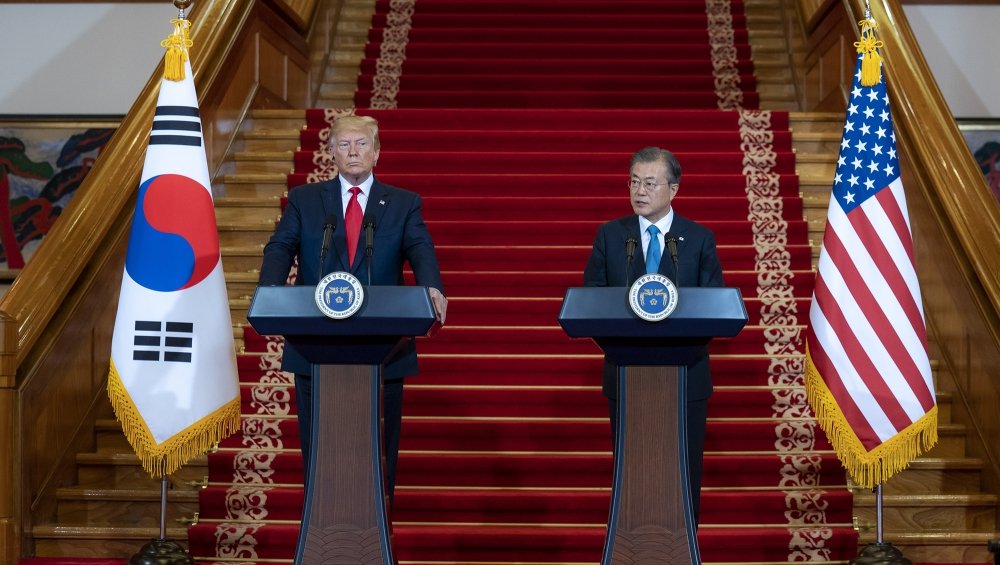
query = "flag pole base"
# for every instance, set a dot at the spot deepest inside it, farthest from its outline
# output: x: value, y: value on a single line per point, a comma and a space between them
x: 161, y: 552
x: 880, y: 554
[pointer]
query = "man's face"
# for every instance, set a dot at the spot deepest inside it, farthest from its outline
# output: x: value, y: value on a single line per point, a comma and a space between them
x: 649, y: 190
x: 355, y: 154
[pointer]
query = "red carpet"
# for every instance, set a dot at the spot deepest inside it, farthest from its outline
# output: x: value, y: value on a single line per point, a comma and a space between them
x: 515, y: 120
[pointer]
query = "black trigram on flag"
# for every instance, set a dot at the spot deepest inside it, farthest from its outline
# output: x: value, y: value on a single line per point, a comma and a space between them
x: 166, y: 341
x: 176, y: 125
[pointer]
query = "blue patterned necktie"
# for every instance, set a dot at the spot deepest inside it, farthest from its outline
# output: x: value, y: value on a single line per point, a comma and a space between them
x: 653, y: 252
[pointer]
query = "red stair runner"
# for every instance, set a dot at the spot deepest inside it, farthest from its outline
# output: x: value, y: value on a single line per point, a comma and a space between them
x: 515, y: 120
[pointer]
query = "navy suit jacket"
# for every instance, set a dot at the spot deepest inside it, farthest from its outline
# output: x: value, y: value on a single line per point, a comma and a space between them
x: 697, y: 263
x: 400, y: 236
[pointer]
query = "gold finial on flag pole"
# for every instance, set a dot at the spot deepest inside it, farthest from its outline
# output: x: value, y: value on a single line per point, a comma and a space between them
x: 177, y: 44
x: 868, y: 46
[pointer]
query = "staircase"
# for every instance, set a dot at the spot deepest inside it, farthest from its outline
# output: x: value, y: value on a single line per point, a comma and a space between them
x: 935, y: 511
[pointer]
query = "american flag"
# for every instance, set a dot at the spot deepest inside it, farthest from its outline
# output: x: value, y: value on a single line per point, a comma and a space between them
x: 868, y: 374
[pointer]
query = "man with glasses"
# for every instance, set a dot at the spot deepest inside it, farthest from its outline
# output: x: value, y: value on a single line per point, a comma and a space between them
x: 654, y: 179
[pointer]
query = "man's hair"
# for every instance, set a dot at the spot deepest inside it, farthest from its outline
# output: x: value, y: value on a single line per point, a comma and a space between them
x: 356, y: 122
x: 652, y: 154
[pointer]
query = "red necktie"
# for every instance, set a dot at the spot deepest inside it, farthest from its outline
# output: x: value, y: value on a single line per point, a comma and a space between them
x: 352, y: 223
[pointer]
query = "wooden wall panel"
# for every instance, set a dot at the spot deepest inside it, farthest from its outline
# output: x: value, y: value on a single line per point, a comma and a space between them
x: 272, y: 66
x: 65, y: 391
x: 223, y: 114
x: 299, y: 82
x: 265, y: 70
x: 960, y: 339
x: 830, y: 57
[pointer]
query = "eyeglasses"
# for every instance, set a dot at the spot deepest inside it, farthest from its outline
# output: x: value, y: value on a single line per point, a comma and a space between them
x: 649, y: 185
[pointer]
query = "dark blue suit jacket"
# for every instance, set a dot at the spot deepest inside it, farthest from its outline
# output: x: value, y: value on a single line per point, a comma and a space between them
x: 400, y: 236
x: 697, y: 262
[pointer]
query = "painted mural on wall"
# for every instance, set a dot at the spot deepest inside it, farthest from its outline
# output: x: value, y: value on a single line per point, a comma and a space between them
x: 983, y: 139
x: 40, y: 169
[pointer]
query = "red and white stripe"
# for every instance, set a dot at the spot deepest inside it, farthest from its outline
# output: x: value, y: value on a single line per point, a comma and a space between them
x: 867, y: 331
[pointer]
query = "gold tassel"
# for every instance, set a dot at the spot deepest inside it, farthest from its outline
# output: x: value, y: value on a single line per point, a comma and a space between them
x: 871, y: 62
x: 177, y: 45
x: 170, y: 455
x: 867, y: 468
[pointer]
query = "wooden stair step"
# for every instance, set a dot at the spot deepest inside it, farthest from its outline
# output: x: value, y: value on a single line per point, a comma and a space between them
x: 123, y: 470
x: 937, y: 547
x: 928, y: 475
x: 239, y: 213
x: 81, y: 506
x: 234, y: 233
x: 290, y: 115
x: 242, y: 258
x: 929, y: 512
x: 98, y: 541
x: 815, y: 121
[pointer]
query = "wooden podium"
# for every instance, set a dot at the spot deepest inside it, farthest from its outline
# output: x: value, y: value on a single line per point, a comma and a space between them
x: 344, y: 517
x: 651, y: 519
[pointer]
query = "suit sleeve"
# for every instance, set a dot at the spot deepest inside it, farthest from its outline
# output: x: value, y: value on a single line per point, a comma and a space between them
x: 596, y: 271
x: 283, y: 247
x: 710, y: 273
x: 418, y: 248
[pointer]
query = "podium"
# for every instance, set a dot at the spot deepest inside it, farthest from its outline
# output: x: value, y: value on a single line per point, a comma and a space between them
x: 651, y: 519
x: 344, y: 518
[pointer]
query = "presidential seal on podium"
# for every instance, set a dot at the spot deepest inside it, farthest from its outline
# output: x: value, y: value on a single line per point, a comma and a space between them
x: 339, y: 295
x: 653, y: 297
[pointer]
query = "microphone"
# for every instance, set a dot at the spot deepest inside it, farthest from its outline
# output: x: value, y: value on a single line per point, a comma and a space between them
x: 369, y: 226
x: 672, y: 248
x: 329, y: 226
x: 630, y: 245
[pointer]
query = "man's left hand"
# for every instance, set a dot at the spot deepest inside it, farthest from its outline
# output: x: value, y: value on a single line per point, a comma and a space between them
x: 440, y: 304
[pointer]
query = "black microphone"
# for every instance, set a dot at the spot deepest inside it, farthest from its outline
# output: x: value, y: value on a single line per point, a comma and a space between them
x: 630, y: 245
x: 369, y: 226
x: 329, y: 226
x: 672, y: 247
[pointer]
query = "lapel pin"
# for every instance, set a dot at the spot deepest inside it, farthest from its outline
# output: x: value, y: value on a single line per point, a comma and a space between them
x: 382, y: 202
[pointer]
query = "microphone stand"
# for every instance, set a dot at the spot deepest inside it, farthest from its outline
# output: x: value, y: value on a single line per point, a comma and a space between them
x: 672, y: 247
x: 369, y: 246
x: 630, y: 245
x: 328, y: 228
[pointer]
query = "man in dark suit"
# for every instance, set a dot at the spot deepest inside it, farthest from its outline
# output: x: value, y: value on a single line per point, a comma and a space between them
x: 400, y: 235
x: 655, y: 176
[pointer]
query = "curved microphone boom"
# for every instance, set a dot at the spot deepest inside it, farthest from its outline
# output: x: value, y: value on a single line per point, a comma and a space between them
x: 329, y: 226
